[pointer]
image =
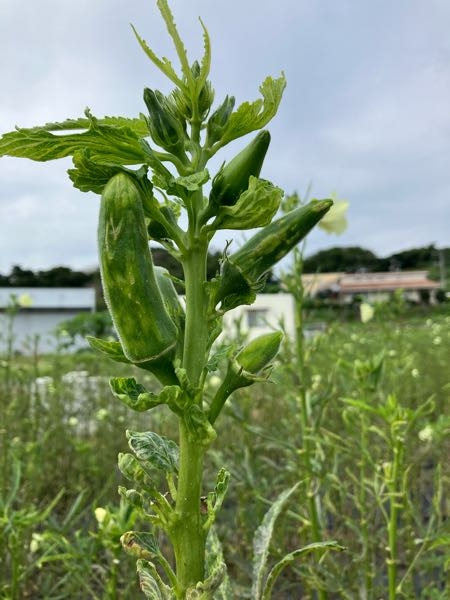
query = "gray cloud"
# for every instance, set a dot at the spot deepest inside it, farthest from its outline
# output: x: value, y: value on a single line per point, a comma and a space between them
x: 365, y: 112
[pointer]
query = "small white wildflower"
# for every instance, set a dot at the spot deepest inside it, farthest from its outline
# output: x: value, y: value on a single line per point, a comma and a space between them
x: 426, y: 434
x: 100, y: 514
x: 102, y: 414
x: 366, y: 312
x: 316, y: 381
x: 36, y: 542
x: 415, y: 373
x: 437, y: 340
x: 392, y: 353
x: 73, y: 421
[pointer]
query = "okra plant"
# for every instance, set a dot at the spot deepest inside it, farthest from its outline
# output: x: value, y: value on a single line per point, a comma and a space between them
x: 151, y: 173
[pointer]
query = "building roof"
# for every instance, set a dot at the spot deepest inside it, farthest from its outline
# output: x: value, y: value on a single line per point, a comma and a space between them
x: 354, y: 283
x: 55, y: 298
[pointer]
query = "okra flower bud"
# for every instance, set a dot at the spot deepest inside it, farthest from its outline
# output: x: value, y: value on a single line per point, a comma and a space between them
x: 218, y: 121
x: 242, y: 272
x: 165, y: 128
x: 251, y: 364
x: 233, y: 178
x: 146, y: 331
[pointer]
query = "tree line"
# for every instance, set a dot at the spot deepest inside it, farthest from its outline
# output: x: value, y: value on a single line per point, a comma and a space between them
x: 337, y: 259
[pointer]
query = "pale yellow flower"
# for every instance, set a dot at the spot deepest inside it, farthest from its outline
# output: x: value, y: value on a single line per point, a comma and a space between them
x: 366, y: 312
x: 24, y: 301
x: 426, y: 434
x: 335, y: 220
x: 100, y: 514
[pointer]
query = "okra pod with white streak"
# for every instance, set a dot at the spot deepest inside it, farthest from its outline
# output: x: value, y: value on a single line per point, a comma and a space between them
x: 142, y: 321
x: 242, y: 271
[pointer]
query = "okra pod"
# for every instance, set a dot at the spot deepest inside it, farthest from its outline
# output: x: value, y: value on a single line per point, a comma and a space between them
x: 233, y: 178
x: 145, y: 329
x: 243, y: 271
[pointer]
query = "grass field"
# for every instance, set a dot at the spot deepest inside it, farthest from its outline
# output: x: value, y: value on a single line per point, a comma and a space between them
x: 370, y: 447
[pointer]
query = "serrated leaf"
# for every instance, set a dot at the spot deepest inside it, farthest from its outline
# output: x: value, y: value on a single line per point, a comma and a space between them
x: 89, y: 176
x: 163, y: 64
x: 161, y: 453
x: 262, y: 539
x: 206, y: 59
x: 151, y: 583
x: 133, y: 394
x: 138, y: 125
x: 255, y: 207
x: 140, y: 544
x: 199, y: 426
x: 167, y: 15
x: 110, y: 144
x: 214, y: 560
x: 255, y: 115
x: 112, y: 349
x: 193, y: 182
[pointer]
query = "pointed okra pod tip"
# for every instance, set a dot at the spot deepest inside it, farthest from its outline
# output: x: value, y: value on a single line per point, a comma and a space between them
x: 243, y: 271
x: 259, y: 352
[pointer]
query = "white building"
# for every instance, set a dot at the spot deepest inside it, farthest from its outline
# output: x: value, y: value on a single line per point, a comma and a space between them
x: 266, y: 314
x: 31, y: 315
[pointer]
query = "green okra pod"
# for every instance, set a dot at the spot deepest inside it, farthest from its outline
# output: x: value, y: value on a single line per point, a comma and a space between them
x: 233, y: 178
x: 146, y: 331
x: 242, y: 272
x: 251, y: 364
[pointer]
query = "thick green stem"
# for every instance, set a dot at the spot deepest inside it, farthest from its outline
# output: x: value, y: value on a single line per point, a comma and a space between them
x: 395, y: 495
x: 196, y: 330
x: 188, y: 536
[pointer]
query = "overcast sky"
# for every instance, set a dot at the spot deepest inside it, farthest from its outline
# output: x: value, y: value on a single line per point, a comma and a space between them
x: 366, y: 111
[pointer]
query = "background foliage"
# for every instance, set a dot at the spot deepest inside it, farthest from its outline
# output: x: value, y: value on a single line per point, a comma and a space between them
x: 61, y: 431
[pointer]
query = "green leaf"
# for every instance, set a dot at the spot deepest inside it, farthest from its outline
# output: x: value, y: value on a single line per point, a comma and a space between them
x: 151, y: 583
x: 161, y: 453
x: 112, y: 349
x: 255, y: 207
x: 206, y: 59
x: 108, y: 143
x: 262, y: 539
x: 193, y: 182
x: 199, y: 427
x: 289, y: 558
x: 217, y: 357
x: 134, y: 470
x: 140, y: 544
x: 163, y: 64
x: 89, y: 176
x: 251, y: 116
x: 214, y: 560
x: 133, y: 395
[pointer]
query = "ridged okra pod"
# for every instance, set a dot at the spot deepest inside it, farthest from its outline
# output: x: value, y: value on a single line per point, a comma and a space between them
x: 242, y: 271
x: 232, y: 180
x: 146, y: 331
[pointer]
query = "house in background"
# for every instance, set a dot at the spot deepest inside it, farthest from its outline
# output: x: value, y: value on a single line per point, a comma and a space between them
x: 39, y: 312
x: 263, y: 316
x: 344, y: 288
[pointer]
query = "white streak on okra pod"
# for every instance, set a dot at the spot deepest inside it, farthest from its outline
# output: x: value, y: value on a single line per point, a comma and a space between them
x: 134, y: 299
